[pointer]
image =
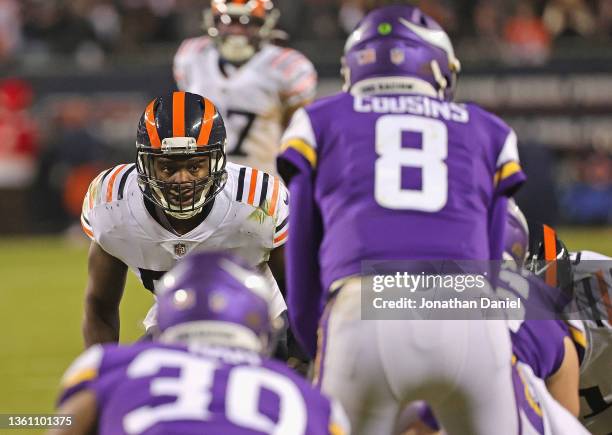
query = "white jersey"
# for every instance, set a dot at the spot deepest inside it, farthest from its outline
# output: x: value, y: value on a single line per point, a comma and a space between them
x: 249, y: 217
x: 593, y: 293
x: 253, y: 99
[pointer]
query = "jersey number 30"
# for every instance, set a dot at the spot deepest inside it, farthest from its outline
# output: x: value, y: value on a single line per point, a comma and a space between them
x: 193, y: 389
x: 429, y: 159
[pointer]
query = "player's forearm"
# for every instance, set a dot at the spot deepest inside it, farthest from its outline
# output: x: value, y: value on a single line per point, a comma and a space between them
x: 498, y: 216
x: 100, y: 325
x: 83, y: 411
x: 303, y: 285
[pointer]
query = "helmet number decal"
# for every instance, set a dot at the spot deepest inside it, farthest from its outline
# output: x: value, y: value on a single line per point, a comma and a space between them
x: 239, y: 125
x: 409, y: 178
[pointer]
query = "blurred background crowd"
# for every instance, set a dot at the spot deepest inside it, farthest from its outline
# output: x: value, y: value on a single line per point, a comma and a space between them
x: 75, y: 75
x: 90, y: 31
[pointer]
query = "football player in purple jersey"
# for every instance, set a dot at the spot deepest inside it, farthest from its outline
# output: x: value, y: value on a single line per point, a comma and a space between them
x: 392, y: 169
x: 206, y: 373
x: 546, y: 370
x: 543, y: 340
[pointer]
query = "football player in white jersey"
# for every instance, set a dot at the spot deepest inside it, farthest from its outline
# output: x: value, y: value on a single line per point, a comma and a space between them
x: 179, y: 196
x: 256, y: 85
x: 592, y: 276
x: 588, y: 275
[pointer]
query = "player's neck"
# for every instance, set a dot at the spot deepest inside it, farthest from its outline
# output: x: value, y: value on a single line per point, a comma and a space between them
x: 228, y: 68
x: 178, y: 226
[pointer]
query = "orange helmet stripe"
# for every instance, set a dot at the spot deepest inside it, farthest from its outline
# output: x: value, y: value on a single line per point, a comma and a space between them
x: 151, y: 126
x: 259, y: 10
x: 550, y: 255
x: 207, y: 122
x: 178, y: 114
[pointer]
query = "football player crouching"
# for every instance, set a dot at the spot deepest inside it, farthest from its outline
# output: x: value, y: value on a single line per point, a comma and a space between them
x: 586, y: 277
x: 180, y: 196
x: 206, y: 373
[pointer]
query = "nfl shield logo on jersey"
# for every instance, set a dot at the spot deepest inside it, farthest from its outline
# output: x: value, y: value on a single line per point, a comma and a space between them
x: 180, y: 249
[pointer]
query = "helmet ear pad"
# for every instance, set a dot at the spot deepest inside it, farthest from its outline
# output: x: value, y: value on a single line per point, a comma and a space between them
x: 181, y: 125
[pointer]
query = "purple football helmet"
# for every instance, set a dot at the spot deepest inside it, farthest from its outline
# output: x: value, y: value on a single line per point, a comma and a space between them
x: 216, y: 299
x: 402, y: 42
x: 516, y: 235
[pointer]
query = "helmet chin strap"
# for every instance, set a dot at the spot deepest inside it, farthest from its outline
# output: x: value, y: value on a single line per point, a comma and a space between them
x: 439, y: 78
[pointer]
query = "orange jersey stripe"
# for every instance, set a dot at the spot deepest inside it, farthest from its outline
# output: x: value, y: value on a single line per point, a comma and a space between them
x: 151, y: 126
x: 91, y: 191
x: 178, y: 114
x: 275, y: 195
x: 290, y: 69
x: 86, y: 231
x: 281, y: 237
x: 303, y: 85
x: 111, y: 183
x: 253, y: 186
x: 603, y: 289
x: 286, y: 52
x: 550, y: 255
x: 207, y: 122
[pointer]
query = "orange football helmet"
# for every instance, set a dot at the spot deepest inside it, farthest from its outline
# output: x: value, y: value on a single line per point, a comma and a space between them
x: 240, y: 27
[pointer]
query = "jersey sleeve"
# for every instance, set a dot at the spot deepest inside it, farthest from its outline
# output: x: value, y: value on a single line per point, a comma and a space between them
x: 181, y: 66
x: 298, y: 77
x: 539, y: 344
x: 92, y: 198
x: 267, y: 192
x: 299, y: 146
x: 281, y: 216
x: 81, y: 373
x: 107, y: 187
x: 509, y: 175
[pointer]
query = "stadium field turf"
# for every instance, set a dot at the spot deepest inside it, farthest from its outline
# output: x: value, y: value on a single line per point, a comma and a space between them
x: 41, y: 294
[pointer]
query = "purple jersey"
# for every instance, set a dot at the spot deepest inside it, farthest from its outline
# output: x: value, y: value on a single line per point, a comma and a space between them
x: 537, y: 337
x: 151, y: 388
x: 539, y: 344
x: 401, y: 177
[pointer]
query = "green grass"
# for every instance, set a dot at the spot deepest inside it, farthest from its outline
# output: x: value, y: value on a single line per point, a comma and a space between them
x: 590, y: 239
x: 41, y: 294
x: 41, y: 299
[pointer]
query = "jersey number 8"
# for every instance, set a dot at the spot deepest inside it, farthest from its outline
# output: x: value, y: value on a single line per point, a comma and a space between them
x: 429, y: 159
